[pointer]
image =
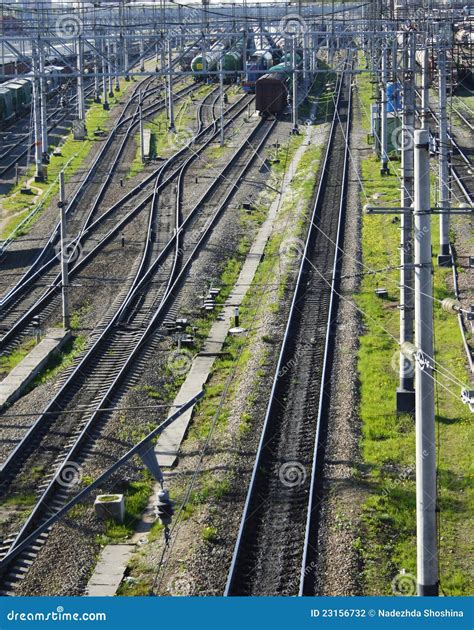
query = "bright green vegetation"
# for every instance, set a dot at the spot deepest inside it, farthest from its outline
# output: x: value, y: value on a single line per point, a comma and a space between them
x: 387, y: 542
x: 20, y: 501
x: 61, y: 360
x: 9, y: 361
x: 209, y: 534
x: 365, y: 90
x: 464, y: 99
x: 109, y: 497
x: 73, y: 153
x: 320, y: 97
x: 136, y: 499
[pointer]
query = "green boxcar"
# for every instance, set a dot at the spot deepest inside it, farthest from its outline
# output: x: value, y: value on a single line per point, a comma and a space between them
x: 26, y: 91
x: 17, y: 95
x: 6, y: 105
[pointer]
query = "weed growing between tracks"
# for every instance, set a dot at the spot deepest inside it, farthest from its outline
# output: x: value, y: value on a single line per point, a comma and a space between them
x: 387, y: 542
x: 9, y: 361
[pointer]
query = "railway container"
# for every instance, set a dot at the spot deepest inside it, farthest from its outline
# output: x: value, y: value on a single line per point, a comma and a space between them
x: 208, y: 62
x: 7, y: 111
x: 21, y: 93
x: 259, y: 63
x: 271, y: 94
x: 232, y: 62
x: 394, y: 133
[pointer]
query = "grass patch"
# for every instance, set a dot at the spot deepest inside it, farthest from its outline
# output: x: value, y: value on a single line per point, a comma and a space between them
x: 9, y: 361
x: 136, y: 500
x: 209, y: 534
x: 21, y: 501
x: 387, y: 542
x: 61, y: 360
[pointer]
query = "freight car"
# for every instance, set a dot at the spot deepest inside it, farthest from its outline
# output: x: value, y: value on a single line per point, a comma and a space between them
x: 271, y: 93
x: 232, y: 63
x: 207, y: 62
x: 16, y: 95
x: 186, y: 59
x: 258, y: 64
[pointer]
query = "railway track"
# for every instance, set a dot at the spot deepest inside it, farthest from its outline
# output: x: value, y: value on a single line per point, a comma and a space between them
x: 88, y: 198
x: 461, y: 164
x: 463, y: 112
x: 54, y: 119
x: 15, y: 151
x: 278, y: 530
x: 116, y: 349
x: 17, y: 315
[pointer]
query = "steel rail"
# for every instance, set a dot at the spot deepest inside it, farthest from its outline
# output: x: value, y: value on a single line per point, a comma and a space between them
x: 73, y: 453
x: 89, y: 89
x: 305, y: 575
x: 25, y: 319
x: 25, y: 136
x: 75, y: 197
x: 11, y: 459
x: 33, y: 272
x: 266, y: 428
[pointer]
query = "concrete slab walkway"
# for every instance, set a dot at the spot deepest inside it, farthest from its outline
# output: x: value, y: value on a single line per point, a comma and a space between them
x: 109, y: 571
x: 21, y: 376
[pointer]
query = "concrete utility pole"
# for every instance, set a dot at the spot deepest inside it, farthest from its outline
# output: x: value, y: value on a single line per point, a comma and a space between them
x: 124, y: 40
x: 39, y: 170
x: 305, y: 58
x: 384, y: 170
x: 110, y: 49
x: 444, y: 258
x: 43, y: 101
x: 105, y: 104
x: 64, y: 265
x: 295, y: 86
x: 96, y: 74
x: 425, y: 90
x: 427, y: 553
x: 142, y: 138
x: 142, y: 54
x: 115, y: 49
x: 394, y: 58
x: 405, y: 395
x: 244, y: 49
x: 81, y: 108
x: 170, y: 88
x: 221, y: 98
